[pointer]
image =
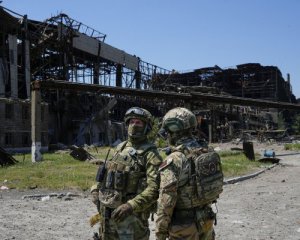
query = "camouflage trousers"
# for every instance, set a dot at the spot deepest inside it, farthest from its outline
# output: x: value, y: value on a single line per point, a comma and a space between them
x: 131, y: 228
x: 191, y: 232
x: 201, y: 228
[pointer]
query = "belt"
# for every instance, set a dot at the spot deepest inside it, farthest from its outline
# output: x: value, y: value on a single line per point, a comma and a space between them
x: 183, y: 216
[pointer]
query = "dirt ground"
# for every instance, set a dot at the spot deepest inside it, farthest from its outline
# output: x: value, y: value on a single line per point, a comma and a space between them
x: 264, y: 207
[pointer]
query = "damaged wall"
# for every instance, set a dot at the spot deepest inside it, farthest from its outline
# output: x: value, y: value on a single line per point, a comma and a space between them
x: 15, y: 128
x: 250, y: 80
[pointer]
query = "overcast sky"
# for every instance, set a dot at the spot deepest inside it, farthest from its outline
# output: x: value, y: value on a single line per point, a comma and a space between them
x: 190, y: 34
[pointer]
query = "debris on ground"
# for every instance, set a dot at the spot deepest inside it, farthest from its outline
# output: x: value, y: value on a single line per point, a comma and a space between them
x: 269, y: 159
x: 47, y: 197
x: 269, y: 153
x: 81, y: 154
x: 6, y: 159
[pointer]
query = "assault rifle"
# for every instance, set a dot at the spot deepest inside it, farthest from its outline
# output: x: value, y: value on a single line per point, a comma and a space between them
x: 102, y: 169
x: 101, y: 174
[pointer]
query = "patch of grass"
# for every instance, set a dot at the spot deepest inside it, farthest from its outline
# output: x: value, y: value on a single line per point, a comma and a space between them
x: 236, y: 164
x: 59, y: 171
x: 224, y: 154
x: 56, y: 171
x: 292, y: 146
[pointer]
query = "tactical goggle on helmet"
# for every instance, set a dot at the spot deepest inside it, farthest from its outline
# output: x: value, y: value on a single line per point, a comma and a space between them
x: 178, y: 119
x: 139, y: 113
x: 173, y: 125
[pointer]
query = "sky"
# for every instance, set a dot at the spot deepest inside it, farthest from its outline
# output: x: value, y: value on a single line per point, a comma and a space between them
x: 190, y: 34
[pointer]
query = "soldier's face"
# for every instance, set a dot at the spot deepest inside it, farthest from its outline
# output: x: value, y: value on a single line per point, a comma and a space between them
x: 136, y: 122
x: 136, y: 128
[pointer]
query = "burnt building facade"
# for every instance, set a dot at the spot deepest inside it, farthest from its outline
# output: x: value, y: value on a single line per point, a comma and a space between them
x: 63, y: 49
x: 250, y: 80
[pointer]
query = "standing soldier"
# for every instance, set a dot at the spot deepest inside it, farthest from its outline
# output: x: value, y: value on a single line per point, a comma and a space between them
x: 128, y: 183
x: 191, y: 179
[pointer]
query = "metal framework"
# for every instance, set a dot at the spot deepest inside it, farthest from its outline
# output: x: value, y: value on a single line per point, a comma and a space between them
x: 191, y: 97
x: 56, y: 56
x: 246, y: 80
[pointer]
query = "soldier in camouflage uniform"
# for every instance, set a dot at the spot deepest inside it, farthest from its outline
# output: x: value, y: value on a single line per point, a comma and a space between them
x: 129, y: 190
x: 181, y: 213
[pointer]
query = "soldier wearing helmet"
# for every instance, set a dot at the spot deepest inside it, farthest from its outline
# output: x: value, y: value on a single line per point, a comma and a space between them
x: 181, y: 214
x: 129, y: 190
x: 143, y: 123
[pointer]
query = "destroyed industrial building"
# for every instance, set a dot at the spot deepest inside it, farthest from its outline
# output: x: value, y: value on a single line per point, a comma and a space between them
x: 83, y: 87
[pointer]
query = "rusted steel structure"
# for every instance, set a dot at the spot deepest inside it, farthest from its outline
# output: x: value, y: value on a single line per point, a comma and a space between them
x: 88, y: 85
x: 246, y: 80
x: 63, y: 48
x: 189, y: 98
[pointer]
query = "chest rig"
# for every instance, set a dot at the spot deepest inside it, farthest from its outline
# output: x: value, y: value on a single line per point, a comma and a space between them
x: 125, y: 175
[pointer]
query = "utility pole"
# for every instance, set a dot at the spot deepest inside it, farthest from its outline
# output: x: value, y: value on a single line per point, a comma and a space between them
x: 36, y: 155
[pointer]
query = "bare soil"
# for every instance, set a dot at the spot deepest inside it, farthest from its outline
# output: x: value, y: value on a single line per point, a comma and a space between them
x: 260, y: 208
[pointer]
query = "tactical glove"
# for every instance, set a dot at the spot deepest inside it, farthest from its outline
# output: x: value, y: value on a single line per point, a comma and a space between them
x: 95, y: 219
x: 122, y: 212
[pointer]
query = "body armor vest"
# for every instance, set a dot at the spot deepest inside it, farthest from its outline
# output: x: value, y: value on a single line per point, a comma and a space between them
x: 201, y: 178
x: 125, y: 175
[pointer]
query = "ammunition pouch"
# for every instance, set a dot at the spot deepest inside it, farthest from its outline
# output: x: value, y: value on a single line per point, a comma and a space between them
x: 120, y: 179
x: 125, y: 176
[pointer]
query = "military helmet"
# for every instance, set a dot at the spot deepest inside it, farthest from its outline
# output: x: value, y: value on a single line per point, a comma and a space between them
x: 139, y: 113
x: 178, y: 119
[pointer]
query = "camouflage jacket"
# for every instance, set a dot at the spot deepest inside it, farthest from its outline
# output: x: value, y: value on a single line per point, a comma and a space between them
x: 149, y: 195
x: 150, y: 163
x: 174, y: 172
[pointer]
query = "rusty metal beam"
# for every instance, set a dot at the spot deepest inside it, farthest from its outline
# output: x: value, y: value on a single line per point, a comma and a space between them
x: 244, y: 101
x: 191, y: 97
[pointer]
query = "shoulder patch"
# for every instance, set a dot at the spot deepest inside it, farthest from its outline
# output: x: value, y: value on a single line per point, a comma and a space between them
x: 165, y: 163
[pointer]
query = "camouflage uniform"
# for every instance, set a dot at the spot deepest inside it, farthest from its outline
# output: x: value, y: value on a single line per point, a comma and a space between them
x: 180, y: 214
x: 131, y: 180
